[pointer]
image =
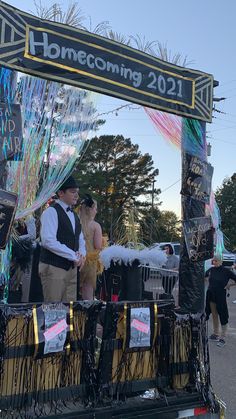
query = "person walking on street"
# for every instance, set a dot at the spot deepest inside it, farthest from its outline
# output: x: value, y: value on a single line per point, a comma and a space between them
x: 219, y: 278
x: 62, y: 246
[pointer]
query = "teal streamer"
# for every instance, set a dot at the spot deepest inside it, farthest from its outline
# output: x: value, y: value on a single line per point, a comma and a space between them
x: 5, y: 264
x: 7, y: 91
x: 194, y: 138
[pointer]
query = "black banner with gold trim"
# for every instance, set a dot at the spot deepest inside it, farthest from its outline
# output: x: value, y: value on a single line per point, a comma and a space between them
x: 197, y: 178
x: 199, y: 238
x: 11, y: 141
x: 62, y: 53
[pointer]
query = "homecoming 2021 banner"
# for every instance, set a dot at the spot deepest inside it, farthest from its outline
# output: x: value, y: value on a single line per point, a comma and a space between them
x: 62, y: 53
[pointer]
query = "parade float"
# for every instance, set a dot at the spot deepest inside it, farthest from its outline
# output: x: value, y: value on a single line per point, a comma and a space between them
x: 151, y: 357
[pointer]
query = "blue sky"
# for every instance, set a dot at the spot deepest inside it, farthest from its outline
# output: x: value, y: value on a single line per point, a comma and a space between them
x: 205, y: 32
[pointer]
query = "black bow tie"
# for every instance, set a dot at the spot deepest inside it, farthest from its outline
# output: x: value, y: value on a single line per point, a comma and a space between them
x: 69, y: 209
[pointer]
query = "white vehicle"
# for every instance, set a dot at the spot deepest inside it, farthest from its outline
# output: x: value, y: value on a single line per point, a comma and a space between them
x: 161, y: 246
x: 228, y: 258
x: 136, y: 246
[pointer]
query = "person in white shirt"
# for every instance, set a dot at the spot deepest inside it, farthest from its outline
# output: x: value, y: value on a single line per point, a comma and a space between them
x: 172, y: 264
x: 63, y: 247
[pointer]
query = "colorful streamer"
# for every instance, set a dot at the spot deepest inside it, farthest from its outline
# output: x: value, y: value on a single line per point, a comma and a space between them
x: 7, y: 90
x: 56, y: 123
x: 5, y: 264
x: 193, y: 138
x: 212, y: 209
x: 169, y: 125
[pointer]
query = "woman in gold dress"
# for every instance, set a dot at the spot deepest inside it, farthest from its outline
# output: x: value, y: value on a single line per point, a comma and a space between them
x: 93, y: 237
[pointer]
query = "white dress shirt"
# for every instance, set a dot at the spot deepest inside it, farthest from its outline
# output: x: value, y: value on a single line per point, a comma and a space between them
x: 49, y: 226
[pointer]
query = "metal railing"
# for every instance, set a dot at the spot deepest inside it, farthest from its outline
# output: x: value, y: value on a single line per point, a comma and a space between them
x: 161, y: 282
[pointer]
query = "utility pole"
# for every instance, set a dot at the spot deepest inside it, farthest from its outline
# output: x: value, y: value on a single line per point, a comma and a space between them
x: 152, y: 211
x: 156, y: 173
x: 153, y: 191
x: 111, y: 226
x: 208, y: 149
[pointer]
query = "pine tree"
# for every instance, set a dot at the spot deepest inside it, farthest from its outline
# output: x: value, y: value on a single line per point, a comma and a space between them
x: 117, y: 174
x: 159, y: 226
x: 226, y: 200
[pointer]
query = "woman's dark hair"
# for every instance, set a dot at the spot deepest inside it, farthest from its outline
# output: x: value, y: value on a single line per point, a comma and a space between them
x: 171, y: 251
x: 87, y: 201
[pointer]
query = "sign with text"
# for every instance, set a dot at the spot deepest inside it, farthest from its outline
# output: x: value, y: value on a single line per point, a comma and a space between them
x: 50, y: 328
x: 140, y: 328
x: 199, y: 238
x: 197, y: 179
x: 62, y: 53
x: 11, y: 132
x: 8, y: 205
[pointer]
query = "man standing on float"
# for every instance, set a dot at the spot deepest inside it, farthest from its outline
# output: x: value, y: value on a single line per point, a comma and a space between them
x: 63, y: 246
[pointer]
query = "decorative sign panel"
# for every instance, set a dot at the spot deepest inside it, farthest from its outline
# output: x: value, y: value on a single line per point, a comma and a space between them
x: 199, y: 238
x: 197, y: 179
x: 11, y: 132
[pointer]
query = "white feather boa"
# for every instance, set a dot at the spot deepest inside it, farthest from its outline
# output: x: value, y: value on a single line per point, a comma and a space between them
x: 121, y: 254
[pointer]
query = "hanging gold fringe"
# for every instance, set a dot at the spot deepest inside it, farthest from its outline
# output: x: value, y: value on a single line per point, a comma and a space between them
x: 180, y: 351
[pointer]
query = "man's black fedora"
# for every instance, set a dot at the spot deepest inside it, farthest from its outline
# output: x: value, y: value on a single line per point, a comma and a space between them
x: 69, y: 183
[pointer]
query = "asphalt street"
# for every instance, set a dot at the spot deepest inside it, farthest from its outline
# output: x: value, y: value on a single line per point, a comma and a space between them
x: 223, y: 362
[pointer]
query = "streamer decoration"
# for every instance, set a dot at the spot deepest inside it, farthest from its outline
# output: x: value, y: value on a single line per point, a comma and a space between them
x: 170, y: 126
x: 56, y: 122
x: 7, y: 90
x: 5, y: 265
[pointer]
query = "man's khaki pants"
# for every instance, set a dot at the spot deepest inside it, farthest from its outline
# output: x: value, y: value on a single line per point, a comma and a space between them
x: 58, y: 284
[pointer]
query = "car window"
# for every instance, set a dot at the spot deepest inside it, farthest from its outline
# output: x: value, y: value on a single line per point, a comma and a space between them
x: 177, y: 249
